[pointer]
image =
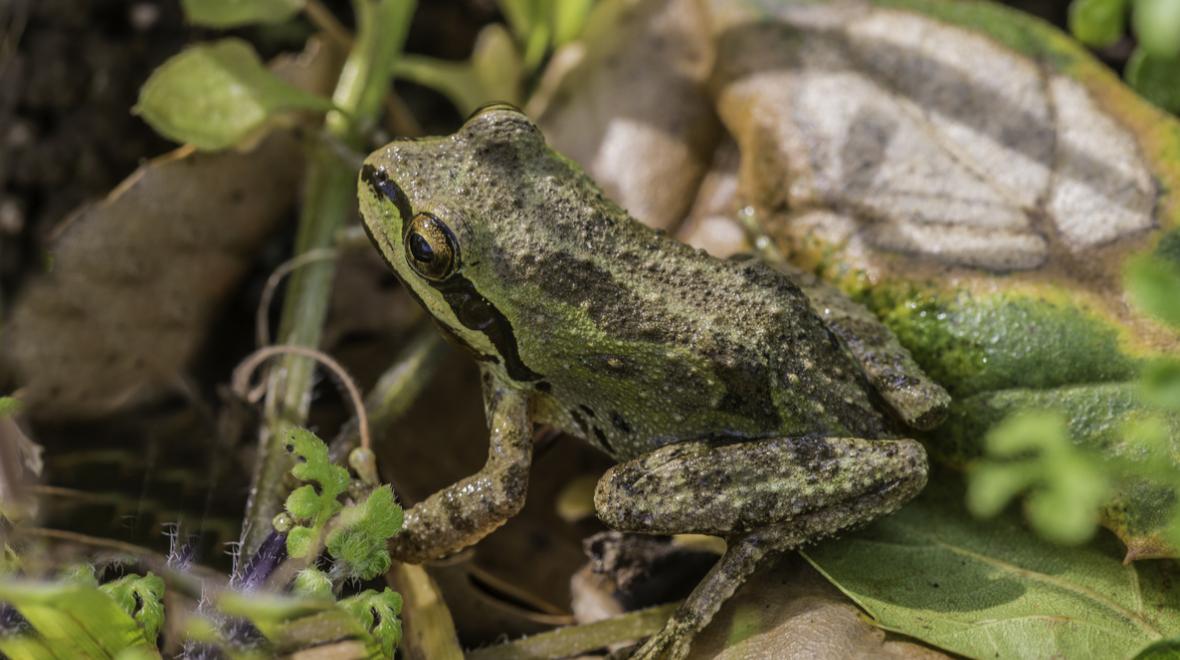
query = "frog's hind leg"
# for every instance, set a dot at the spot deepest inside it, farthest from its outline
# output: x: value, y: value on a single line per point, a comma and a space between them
x: 762, y: 496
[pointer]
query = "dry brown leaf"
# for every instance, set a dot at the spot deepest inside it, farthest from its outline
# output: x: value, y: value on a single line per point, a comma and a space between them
x: 787, y: 610
x: 136, y: 279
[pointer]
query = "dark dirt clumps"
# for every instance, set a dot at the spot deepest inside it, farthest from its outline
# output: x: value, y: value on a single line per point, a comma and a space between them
x: 70, y: 70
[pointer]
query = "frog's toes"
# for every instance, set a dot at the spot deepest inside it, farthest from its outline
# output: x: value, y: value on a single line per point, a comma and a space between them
x: 671, y: 643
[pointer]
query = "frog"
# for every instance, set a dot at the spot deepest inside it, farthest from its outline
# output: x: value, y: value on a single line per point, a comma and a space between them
x: 736, y: 398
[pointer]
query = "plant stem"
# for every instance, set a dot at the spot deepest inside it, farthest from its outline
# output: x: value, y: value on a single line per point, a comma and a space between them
x: 575, y: 640
x: 329, y: 201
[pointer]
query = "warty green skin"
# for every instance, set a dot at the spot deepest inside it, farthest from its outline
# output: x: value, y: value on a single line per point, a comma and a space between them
x: 735, y: 410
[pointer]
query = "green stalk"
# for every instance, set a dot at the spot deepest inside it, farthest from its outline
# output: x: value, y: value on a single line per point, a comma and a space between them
x: 329, y: 201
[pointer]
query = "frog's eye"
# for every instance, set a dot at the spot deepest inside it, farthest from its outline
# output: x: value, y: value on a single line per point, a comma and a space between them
x: 431, y: 248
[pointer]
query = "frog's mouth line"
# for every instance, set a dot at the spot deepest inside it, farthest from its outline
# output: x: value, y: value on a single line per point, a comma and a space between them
x: 476, y: 313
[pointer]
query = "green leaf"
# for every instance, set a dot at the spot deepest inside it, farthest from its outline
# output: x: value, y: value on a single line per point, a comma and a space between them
x: 218, y: 94
x: 303, y: 503
x: 497, y: 66
x: 535, y: 47
x: 232, y: 13
x: 522, y: 15
x: 1154, y: 283
x: 71, y: 620
x: 1098, y: 22
x: 1157, y: 27
x: 378, y: 614
x: 142, y: 598
x: 455, y: 80
x: 993, y: 589
x: 569, y: 18
x: 312, y: 583
x: 359, y: 541
x: 383, y: 26
x: 1156, y: 78
x: 299, y: 541
x: 1161, y: 383
x: 1167, y: 649
x: 1032, y: 451
x: 9, y: 406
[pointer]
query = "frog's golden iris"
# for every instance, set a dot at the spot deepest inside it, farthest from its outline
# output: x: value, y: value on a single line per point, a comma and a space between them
x: 431, y: 248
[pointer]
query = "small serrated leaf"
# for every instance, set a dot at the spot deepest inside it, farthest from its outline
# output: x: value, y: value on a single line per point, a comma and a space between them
x: 218, y: 94
x: 299, y: 541
x: 358, y: 543
x: 378, y: 615
x: 303, y: 502
x: 232, y: 13
x: 312, y: 583
x: 311, y: 505
x: 142, y: 598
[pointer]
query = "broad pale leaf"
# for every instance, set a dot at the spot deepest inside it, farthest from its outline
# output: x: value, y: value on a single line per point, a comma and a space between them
x: 138, y: 276
x: 994, y: 589
x: 786, y: 609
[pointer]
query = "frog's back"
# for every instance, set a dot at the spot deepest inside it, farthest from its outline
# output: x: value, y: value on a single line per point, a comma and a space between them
x: 641, y: 341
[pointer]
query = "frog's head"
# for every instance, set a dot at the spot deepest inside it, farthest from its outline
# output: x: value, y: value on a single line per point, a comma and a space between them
x: 466, y: 219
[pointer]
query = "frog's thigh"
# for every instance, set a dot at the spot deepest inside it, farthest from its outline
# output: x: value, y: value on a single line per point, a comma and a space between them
x: 468, y: 510
x: 803, y: 487
x: 763, y: 496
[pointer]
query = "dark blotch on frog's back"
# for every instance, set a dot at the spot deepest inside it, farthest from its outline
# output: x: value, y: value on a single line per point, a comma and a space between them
x: 619, y: 422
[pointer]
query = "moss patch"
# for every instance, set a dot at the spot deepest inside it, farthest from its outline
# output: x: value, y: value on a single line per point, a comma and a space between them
x: 972, y: 345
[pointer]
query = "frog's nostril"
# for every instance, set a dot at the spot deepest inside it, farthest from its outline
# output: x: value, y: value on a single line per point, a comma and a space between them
x: 381, y: 185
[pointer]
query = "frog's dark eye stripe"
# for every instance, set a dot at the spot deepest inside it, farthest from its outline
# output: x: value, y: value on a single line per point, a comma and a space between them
x: 431, y: 248
x: 382, y: 186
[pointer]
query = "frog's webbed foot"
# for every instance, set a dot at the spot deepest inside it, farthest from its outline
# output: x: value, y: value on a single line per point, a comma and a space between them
x: 464, y: 512
x: 673, y: 641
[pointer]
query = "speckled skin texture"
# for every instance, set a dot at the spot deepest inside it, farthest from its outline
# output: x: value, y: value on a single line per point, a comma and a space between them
x: 735, y: 409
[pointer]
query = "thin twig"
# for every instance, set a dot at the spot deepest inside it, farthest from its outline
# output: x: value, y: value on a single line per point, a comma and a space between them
x: 262, y: 315
x: 323, y: 18
x: 245, y: 369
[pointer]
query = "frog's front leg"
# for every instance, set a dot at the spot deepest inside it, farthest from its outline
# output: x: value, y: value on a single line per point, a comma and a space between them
x: 761, y: 496
x: 468, y: 510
